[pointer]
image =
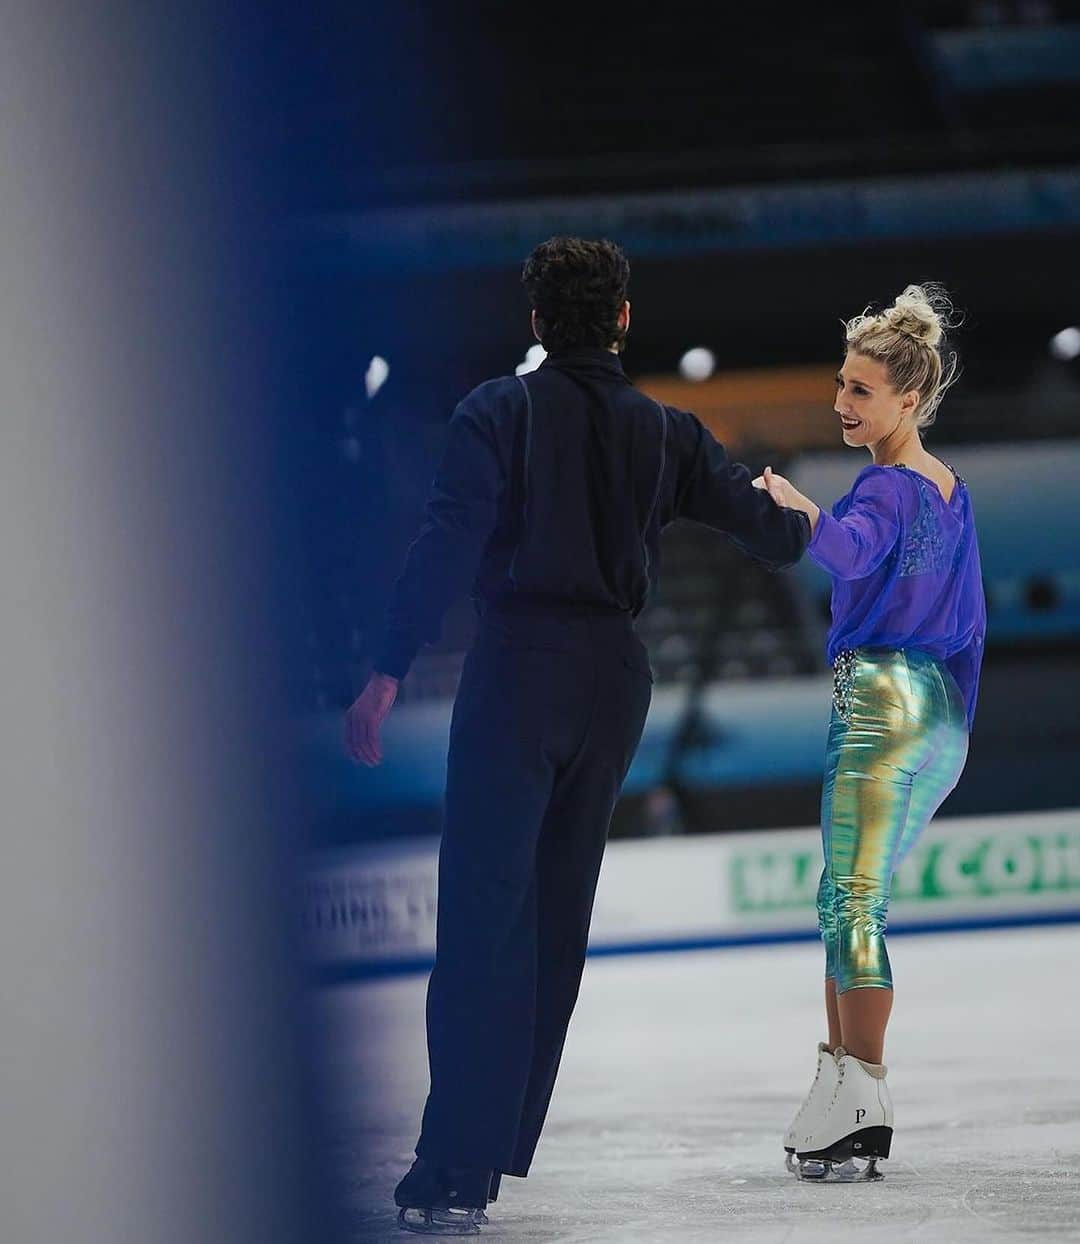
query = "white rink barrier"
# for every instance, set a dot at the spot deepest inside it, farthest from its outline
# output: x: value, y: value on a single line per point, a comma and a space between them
x: 371, y: 909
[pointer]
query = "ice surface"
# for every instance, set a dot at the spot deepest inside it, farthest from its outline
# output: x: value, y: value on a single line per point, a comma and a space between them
x: 681, y: 1073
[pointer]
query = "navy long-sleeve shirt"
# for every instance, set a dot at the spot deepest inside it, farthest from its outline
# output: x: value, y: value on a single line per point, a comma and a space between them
x: 555, y: 486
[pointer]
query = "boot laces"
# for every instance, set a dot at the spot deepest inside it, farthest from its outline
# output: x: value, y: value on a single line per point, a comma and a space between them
x: 817, y: 1077
x: 841, y: 1066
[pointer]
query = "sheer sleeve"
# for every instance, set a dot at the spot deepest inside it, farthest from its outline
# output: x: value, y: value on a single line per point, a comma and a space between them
x: 855, y: 545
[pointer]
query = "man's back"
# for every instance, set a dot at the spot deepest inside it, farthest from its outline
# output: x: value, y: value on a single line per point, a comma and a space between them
x: 588, y: 456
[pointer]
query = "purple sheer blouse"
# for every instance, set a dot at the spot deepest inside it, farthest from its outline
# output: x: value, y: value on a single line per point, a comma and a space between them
x: 906, y: 571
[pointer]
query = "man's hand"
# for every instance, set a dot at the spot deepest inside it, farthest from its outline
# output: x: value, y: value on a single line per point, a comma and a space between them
x: 364, y: 719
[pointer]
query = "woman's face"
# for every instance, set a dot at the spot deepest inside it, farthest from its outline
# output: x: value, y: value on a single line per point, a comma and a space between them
x: 870, y: 409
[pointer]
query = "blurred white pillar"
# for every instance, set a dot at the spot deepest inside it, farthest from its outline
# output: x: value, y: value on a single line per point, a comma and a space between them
x: 146, y: 1065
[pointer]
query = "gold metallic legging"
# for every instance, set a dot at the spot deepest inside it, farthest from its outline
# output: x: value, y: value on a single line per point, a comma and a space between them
x: 897, y: 745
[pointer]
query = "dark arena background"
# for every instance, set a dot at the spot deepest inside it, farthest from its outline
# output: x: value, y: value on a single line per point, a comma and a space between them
x: 316, y: 252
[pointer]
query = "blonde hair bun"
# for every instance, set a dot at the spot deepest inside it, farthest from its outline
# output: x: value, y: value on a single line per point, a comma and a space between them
x: 914, y: 313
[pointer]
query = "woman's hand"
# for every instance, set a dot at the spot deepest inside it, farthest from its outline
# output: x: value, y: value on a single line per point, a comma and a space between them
x: 780, y: 489
x: 784, y: 493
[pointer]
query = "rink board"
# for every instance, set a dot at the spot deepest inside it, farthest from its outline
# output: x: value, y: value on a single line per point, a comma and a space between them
x: 371, y: 909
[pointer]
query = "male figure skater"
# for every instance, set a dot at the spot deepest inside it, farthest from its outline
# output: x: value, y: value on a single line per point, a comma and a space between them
x: 550, y: 501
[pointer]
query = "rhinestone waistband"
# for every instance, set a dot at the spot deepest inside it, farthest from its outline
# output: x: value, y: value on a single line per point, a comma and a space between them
x: 843, y: 681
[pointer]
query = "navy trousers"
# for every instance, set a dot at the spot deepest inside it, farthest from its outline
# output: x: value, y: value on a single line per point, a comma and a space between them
x: 548, y: 716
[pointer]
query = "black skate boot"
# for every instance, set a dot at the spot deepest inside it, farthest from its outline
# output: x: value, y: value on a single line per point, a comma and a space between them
x: 443, y: 1200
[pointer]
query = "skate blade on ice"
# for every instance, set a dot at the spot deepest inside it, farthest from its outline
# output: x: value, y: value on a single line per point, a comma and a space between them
x: 822, y: 1171
x: 442, y: 1221
x: 850, y: 1159
x: 851, y: 1170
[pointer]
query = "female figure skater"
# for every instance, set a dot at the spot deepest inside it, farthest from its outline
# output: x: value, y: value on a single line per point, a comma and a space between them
x: 906, y: 644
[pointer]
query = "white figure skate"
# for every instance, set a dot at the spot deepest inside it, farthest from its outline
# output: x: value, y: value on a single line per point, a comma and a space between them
x: 815, y: 1103
x: 855, y: 1130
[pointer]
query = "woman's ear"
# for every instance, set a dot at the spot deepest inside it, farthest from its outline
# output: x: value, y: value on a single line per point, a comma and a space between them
x: 909, y: 403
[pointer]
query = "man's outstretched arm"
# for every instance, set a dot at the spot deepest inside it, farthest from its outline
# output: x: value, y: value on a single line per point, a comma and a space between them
x: 713, y: 490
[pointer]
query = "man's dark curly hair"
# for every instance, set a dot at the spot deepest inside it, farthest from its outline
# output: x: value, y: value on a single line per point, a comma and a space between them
x: 577, y: 289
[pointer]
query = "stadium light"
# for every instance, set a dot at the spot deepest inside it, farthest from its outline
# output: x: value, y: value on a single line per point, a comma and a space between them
x: 697, y: 364
x: 375, y: 376
x: 1066, y: 344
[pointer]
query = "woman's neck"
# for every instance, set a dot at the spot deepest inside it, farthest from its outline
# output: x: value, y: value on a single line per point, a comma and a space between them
x: 894, y: 448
